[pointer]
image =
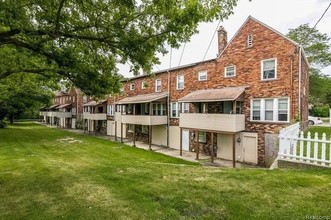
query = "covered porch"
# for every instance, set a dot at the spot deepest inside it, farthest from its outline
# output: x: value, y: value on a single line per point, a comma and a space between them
x: 211, y: 122
x: 144, y: 118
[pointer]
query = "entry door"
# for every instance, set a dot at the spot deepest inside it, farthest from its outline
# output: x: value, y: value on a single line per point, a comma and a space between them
x: 185, y: 140
x: 250, y: 148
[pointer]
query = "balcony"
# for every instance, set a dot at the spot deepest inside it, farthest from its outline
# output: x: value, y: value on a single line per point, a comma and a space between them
x: 141, y: 119
x: 213, y: 122
x: 97, y: 116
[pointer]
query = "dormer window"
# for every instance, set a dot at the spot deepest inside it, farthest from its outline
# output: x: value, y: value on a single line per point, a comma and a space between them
x: 250, y: 40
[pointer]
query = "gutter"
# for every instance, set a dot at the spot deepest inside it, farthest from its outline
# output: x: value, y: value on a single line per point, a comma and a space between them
x: 300, y: 76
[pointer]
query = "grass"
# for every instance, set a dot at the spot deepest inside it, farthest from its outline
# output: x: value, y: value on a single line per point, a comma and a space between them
x: 43, y: 176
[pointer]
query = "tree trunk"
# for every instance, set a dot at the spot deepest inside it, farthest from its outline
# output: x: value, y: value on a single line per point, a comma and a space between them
x: 11, y: 119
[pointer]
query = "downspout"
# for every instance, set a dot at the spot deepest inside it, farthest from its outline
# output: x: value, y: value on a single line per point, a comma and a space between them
x: 168, y: 109
x: 300, y: 70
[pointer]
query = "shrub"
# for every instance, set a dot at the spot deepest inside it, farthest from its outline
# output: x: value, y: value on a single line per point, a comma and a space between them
x: 2, y: 124
x: 320, y: 111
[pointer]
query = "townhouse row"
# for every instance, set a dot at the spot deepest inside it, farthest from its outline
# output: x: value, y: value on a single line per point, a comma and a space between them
x: 231, y: 107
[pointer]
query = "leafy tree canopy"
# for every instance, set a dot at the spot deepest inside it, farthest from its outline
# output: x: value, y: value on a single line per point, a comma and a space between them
x: 23, y: 92
x: 82, y: 40
x: 317, y: 47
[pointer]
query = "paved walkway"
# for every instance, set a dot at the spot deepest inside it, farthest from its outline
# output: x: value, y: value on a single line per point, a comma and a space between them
x: 186, y: 155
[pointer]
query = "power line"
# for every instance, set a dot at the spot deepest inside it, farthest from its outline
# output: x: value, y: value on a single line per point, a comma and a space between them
x: 219, y: 22
x: 181, y: 56
x: 322, y: 15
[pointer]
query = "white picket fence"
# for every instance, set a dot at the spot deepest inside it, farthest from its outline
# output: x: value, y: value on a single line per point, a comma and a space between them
x: 293, y: 145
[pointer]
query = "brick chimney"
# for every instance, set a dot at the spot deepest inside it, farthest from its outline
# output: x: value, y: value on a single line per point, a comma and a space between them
x: 222, y: 39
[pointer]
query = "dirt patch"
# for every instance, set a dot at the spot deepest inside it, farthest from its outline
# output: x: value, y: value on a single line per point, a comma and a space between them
x: 69, y: 140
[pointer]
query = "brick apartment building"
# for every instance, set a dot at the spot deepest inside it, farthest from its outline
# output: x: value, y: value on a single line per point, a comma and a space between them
x: 228, y: 107
x: 66, y: 110
x: 231, y: 107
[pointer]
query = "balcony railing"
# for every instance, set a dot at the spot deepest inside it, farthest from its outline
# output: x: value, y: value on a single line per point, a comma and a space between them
x: 141, y: 119
x: 97, y: 116
x: 214, y: 122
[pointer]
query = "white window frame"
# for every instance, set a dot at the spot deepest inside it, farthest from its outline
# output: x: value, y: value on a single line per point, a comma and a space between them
x: 177, y: 109
x: 226, y: 72
x: 201, y: 74
x: 276, y: 110
x: 158, y: 85
x: 132, y: 86
x: 178, y: 83
x: 262, y: 68
x: 143, y: 85
x: 110, y: 109
x: 185, y: 107
x: 249, y: 41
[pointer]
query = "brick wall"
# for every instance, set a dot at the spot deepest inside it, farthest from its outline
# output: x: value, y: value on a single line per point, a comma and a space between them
x: 266, y: 44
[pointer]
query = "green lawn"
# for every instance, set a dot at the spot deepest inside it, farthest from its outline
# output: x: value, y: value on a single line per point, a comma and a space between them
x: 43, y: 176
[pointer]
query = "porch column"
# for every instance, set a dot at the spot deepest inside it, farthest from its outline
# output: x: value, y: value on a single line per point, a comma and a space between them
x: 121, y: 132
x: 197, y: 150
x: 150, y: 137
x: 121, y: 125
x: 95, y: 127
x: 181, y: 143
x: 234, y: 150
x: 134, y: 135
x: 115, y: 130
x: 212, y: 148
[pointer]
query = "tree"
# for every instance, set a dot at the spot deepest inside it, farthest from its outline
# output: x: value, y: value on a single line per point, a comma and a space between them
x: 317, y: 47
x: 83, y: 40
x: 20, y: 93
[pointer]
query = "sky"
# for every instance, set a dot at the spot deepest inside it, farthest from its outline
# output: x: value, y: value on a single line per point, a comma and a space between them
x: 281, y: 15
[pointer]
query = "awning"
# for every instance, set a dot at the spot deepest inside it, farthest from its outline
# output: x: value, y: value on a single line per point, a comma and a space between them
x: 143, y: 98
x: 65, y: 106
x: 53, y: 106
x: 94, y: 103
x: 90, y: 103
x: 214, y: 95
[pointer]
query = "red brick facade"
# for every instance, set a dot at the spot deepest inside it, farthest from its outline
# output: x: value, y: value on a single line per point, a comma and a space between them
x: 266, y: 44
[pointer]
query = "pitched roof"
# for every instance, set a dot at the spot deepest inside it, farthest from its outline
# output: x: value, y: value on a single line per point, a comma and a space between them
x: 213, y: 95
x: 266, y: 26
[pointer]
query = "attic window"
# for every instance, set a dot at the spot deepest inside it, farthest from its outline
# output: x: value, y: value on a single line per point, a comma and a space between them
x: 250, y: 40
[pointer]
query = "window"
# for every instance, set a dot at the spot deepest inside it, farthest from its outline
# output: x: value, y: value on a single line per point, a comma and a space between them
x: 144, y: 129
x: 159, y: 109
x: 268, y: 69
x: 256, y: 110
x: 273, y: 110
x: 143, y: 85
x: 132, y: 86
x: 73, y: 99
x: 269, y: 110
x: 230, y: 71
x: 110, y: 109
x: 84, y: 99
x: 175, y: 107
x: 202, y: 75
x: 283, y: 110
x: 202, y: 136
x: 185, y: 107
x: 250, y: 40
x: 180, y: 82
x: 158, y: 85
x: 144, y: 109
